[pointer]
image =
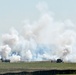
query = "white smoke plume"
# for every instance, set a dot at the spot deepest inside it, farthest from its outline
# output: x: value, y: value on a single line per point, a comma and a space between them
x: 14, y: 58
x: 5, y: 51
x: 44, y: 39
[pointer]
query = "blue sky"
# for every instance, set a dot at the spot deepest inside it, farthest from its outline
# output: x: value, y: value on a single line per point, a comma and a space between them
x: 14, y: 12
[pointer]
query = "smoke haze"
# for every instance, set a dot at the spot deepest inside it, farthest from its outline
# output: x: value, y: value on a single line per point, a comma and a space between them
x: 43, y: 39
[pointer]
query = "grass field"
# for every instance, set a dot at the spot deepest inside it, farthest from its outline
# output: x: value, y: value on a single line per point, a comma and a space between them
x: 34, y: 66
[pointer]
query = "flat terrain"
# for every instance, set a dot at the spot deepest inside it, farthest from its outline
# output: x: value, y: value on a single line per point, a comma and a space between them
x: 34, y: 66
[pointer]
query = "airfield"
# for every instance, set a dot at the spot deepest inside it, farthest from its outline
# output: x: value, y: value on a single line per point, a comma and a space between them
x: 37, y: 68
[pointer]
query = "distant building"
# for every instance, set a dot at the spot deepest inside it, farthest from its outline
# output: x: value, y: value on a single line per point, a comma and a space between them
x: 6, y: 60
x: 59, y: 61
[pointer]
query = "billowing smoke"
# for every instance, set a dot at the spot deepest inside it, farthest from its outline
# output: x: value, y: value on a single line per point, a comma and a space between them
x: 5, y: 51
x: 44, y: 39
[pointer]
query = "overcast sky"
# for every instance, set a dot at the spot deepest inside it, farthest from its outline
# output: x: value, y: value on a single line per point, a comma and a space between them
x: 14, y: 12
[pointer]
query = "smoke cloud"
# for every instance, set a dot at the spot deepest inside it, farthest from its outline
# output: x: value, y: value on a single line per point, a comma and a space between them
x: 44, y: 39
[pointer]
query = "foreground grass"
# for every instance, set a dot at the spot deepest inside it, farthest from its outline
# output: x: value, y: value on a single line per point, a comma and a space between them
x: 34, y: 66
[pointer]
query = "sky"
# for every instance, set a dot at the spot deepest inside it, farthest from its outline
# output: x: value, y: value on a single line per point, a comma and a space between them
x: 13, y: 13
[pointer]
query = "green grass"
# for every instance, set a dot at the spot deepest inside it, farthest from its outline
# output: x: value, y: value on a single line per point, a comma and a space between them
x: 34, y: 66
